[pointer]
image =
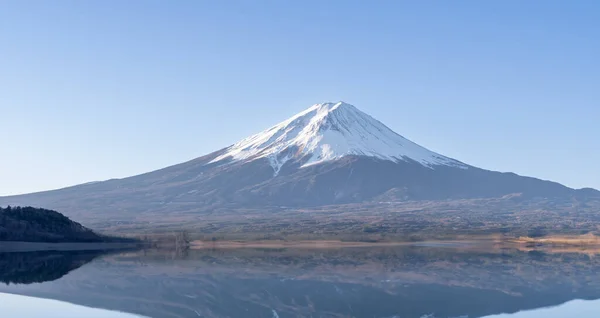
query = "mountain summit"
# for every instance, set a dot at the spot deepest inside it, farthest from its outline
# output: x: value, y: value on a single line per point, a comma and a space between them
x: 328, y: 154
x: 327, y: 132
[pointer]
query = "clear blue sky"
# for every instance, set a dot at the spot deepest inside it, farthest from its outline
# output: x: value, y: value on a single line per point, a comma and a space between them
x: 92, y: 90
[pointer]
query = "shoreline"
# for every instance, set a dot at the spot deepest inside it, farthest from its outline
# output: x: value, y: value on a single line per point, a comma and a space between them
x: 525, y: 243
x: 14, y: 246
x: 559, y: 241
x: 324, y: 244
x: 550, y: 242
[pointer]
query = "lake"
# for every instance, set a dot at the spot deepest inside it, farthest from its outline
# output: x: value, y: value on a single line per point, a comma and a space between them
x: 403, y: 282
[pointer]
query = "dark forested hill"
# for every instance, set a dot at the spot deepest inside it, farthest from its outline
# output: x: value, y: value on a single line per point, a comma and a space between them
x: 30, y: 224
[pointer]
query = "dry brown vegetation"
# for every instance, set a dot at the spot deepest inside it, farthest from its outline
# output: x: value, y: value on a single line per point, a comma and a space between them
x: 561, y: 240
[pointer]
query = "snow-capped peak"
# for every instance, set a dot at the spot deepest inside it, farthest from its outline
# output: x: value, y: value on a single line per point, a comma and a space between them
x: 330, y: 131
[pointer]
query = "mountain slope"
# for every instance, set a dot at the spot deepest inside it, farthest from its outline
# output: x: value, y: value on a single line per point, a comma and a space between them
x: 328, y: 154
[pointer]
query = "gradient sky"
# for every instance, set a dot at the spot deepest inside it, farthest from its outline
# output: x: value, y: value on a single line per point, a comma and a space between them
x: 92, y: 90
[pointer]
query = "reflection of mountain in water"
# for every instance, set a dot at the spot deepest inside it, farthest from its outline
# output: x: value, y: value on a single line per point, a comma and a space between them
x: 39, y: 267
x: 406, y: 282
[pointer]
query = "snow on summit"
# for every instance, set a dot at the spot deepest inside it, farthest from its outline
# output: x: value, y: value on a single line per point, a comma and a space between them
x: 330, y: 131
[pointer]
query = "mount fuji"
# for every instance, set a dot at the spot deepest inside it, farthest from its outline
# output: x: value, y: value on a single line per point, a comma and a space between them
x: 328, y: 154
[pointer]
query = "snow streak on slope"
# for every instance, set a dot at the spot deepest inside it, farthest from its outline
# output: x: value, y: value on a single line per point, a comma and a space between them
x: 330, y: 131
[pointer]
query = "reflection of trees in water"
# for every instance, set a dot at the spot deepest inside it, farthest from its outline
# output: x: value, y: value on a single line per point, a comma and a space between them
x: 409, y: 282
x: 366, y: 282
x: 39, y: 267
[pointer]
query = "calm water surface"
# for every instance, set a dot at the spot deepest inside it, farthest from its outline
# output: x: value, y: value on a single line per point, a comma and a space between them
x: 29, y: 307
x: 406, y: 282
